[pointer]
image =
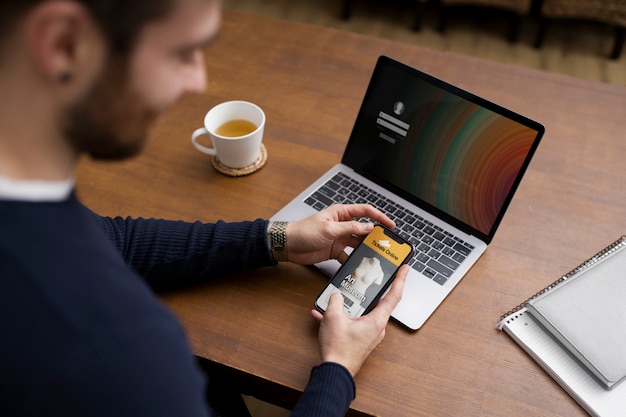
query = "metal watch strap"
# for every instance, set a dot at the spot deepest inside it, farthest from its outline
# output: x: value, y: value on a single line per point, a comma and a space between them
x: 278, y: 240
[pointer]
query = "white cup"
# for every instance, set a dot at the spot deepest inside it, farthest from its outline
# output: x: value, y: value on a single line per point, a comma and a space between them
x: 232, y: 151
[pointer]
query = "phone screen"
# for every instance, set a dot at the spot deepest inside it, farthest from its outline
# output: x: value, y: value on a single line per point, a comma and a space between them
x: 368, y: 272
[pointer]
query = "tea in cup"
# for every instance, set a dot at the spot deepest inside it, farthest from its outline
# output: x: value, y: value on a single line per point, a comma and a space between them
x: 236, y: 130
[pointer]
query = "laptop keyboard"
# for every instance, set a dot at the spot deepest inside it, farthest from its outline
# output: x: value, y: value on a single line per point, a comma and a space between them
x: 439, y: 252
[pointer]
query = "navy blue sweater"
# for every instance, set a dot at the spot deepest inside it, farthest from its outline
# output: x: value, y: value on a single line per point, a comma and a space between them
x: 82, y: 333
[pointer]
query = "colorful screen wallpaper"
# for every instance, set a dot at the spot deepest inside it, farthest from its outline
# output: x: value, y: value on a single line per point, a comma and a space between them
x: 449, y: 152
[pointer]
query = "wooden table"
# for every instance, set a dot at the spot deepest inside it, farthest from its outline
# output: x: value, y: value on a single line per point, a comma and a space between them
x: 310, y: 82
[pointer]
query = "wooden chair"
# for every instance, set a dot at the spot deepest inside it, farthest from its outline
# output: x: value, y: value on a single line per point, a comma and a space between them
x: 515, y: 9
x: 611, y: 12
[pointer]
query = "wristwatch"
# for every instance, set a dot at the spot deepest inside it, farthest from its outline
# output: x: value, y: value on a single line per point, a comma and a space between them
x: 278, y: 240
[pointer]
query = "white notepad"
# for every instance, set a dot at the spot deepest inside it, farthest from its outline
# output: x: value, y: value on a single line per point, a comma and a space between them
x: 564, y: 368
x: 556, y: 360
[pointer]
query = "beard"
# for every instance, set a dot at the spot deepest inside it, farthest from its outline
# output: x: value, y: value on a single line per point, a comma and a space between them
x: 109, y: 122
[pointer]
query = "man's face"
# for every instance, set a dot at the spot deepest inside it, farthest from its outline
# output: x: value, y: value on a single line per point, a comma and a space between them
x: 113, y: 119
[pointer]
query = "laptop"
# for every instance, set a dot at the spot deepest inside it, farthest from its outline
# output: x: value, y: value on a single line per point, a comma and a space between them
x: 441, y: 162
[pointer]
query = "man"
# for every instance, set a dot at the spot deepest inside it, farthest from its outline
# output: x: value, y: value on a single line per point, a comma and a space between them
x: 82, y: 332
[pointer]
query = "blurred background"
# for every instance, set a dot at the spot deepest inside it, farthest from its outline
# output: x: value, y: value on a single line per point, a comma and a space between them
x: 579, y: 36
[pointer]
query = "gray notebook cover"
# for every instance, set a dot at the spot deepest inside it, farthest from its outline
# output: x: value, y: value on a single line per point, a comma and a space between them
x: 587, y: 314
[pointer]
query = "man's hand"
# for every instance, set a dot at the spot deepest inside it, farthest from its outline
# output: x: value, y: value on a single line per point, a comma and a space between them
x: 325, y: 235
x: 349, y: 342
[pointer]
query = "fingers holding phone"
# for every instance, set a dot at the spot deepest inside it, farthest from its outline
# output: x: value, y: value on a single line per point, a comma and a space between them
x: 326, y: 234
x: 353, y: 321
x: 349, y: 341
x: 368, y: 272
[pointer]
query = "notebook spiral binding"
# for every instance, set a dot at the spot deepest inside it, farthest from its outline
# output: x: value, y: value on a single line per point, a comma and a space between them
x: 604, y: 252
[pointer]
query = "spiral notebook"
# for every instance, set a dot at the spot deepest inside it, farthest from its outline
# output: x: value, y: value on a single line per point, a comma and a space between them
x: 556, y: 359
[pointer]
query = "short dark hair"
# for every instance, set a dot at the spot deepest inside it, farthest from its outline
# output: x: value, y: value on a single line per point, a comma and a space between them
x: 119, y: 20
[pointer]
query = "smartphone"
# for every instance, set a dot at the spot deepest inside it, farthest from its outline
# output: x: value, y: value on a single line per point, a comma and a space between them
x: 368, y: 272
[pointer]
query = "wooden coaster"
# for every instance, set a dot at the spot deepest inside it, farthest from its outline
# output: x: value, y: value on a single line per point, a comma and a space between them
x: 240, y: 172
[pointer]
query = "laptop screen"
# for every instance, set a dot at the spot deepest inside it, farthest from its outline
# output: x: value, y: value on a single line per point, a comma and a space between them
x: 441, y: 148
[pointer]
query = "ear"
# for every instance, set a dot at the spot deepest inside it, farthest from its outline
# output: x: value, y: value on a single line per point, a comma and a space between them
x: 63, y: 40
